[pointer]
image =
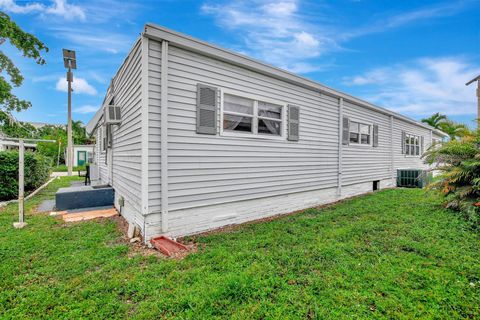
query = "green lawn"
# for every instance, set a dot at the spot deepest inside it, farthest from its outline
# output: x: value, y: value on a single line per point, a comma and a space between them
x: 393, y: 254
x: 64, y: 168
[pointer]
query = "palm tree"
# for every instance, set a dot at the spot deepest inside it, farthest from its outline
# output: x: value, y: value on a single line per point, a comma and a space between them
x: 454, y: 130
x: 435, y: 120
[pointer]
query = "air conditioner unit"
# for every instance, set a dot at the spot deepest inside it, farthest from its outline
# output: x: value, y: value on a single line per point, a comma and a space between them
x: 112, y: 114
x: 413, y: 178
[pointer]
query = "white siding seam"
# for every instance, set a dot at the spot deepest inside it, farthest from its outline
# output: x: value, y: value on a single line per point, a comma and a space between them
x: 340, y: 145
x: 145, y: 127
x: 164, y: 136
x: 392, y: 152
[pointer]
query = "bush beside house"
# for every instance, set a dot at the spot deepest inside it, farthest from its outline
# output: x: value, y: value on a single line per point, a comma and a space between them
x: 459, y: 183
x: 37, y: 171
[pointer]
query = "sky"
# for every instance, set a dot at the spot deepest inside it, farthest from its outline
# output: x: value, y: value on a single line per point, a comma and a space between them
x: 412, y: 57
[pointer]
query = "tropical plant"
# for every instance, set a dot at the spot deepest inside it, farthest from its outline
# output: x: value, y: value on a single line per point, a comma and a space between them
x: 435, y: 120
x: 30, y: 47
x: 453, y: 129
x: 459, y: 182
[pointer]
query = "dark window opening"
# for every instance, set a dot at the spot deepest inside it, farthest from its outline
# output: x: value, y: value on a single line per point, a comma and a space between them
x: 376, y: 185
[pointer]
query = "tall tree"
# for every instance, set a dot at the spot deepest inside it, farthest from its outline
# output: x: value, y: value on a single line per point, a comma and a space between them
x: 435, y: 120
x: 30, y: 47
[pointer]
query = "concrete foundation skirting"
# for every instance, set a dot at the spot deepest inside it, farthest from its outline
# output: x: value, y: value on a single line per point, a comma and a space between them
x: 200, y: 219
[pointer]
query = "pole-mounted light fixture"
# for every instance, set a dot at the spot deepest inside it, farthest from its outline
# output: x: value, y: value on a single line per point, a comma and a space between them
x: 70, y: 62
x: 477, y: 78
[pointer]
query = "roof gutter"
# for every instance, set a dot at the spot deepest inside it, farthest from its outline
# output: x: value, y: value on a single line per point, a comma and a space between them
x: 180, y: 40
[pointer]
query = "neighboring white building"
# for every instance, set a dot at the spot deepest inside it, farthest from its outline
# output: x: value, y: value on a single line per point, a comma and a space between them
x: 210, y: 137
x: 6, y: 145
x: 82, y: 154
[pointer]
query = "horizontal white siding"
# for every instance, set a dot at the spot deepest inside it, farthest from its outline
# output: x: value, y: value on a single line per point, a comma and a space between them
x: 127, y: 137
x: 403, y: 161
x: 206, y: 170
x: 367, y: 163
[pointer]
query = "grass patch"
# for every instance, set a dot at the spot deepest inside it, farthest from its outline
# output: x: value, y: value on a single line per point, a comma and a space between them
x: 64, y: 168
x: 393, y: 254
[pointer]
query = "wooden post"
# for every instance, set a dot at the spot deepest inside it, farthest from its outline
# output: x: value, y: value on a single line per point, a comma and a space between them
x: 21, y: 181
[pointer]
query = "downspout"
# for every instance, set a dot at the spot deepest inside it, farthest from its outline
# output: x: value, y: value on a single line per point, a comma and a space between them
x: 340, y: 145
x: 164, y: 136
x: 392, y: 154
x: 144, y: 132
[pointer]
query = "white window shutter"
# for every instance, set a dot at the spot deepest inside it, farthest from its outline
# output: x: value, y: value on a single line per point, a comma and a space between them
x: 207, y: 101
x: 345, y: 130
x: 422, y: 145
x: 404, y: 141
x: 375, y: 135
x: 293, y: 123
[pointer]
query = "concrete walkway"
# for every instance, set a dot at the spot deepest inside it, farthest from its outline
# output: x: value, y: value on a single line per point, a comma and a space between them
x: 63, y: 174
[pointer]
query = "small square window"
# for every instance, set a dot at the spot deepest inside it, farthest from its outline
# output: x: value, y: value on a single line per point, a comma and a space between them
x: 359, y: 133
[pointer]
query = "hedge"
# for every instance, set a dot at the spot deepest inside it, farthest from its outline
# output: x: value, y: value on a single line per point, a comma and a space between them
x: 37, y: 171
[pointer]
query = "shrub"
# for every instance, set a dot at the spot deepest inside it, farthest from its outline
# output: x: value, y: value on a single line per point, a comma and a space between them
x: 459, y: 183
x: 37, y: 171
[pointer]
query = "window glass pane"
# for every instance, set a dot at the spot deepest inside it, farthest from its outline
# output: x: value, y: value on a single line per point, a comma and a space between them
x: 237, y: 123
x: 416, y: 141
x: 417, y: 150
x: 365, y: 139
x: 354, y: 137
x: 269, y: 127
x: 412, y: 150
x: 269, y: 110
x: 353, y: 126
x: 407, y: 150
x: 364, y: 128
x: 237, y: 104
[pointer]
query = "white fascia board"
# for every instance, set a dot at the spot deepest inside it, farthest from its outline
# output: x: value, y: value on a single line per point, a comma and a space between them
x: 180, y: 40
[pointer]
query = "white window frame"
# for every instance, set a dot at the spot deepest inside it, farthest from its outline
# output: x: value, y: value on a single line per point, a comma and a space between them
x: 255, y: 117
x: 407, y: 146
x: 359, y: 144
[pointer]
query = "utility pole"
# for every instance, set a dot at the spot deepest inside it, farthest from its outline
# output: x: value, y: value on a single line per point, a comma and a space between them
x: 70, y: 62
x: 21, y: 178
x: 478, y: 97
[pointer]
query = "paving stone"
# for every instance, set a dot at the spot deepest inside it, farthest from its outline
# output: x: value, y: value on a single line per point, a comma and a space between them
x: 46, y: 206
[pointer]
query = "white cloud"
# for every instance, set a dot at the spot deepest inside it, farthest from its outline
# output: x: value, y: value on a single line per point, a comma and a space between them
x: 58, y: 8
x: 404, y: 18
x: 284, y: 34
x: 93, y: 38
x: 85, y: 109
x: 79, y: 86
x: 275, y: 32
x: 422, y: 87
x: 11, y: 6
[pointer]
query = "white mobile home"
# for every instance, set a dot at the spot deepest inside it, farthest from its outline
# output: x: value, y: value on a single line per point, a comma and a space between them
x: 209, y: 137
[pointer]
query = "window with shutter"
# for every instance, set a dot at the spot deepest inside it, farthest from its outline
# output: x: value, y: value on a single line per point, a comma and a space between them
x: 207, y: 98
x: 411, y: 144
x: 249, y: 116
x: 359, y: 133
